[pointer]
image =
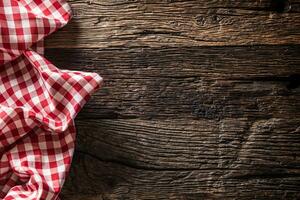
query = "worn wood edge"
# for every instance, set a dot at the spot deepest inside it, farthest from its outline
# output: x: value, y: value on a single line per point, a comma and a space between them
x: 195, y: 83
x: 98, y: 24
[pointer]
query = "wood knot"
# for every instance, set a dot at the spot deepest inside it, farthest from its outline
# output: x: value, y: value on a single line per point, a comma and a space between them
x: 200, y: 20
x: 98, y: 20
x: 280, y: 6
x: 209, y: 19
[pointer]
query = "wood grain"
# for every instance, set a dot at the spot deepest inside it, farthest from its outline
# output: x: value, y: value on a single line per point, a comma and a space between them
x: 192, y: 144
x: 180, y: 159
x: 100, y: 24
x: 187, y: 123
x: 193, y: 83
x: 201, y: 99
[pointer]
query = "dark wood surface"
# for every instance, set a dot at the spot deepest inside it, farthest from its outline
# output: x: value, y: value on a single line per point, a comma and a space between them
x: 201, y: 99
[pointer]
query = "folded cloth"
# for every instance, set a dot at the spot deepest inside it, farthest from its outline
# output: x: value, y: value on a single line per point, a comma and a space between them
x: 38, y: 102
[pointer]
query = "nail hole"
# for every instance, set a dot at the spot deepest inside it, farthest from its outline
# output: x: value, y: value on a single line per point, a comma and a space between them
x: 294, y: 81
x: 281, y: 6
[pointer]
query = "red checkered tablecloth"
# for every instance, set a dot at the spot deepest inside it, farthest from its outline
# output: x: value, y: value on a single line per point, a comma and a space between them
x: 38, y: 102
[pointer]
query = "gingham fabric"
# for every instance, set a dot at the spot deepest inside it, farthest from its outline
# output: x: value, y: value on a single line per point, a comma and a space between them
x: 38, y: 102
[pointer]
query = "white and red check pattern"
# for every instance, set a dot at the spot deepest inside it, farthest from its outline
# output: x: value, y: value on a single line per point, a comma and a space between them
x: 38, y: 102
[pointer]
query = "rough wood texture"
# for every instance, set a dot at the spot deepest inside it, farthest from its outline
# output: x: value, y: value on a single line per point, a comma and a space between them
x: 179, y: 159
x: 157, y: 23
x: 185, y: 113
x: 199, y: 82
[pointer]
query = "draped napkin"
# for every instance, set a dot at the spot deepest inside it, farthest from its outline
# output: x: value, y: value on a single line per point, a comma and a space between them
x: 38, y: 102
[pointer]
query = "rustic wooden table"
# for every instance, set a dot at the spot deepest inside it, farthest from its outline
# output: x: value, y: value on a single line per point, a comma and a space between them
x: 201, y: 99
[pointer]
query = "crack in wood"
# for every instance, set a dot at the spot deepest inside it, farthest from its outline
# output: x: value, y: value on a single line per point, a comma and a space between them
x: 130, y: 165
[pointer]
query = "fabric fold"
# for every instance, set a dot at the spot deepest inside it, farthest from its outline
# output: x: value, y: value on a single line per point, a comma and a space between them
x: 25, y: 22
x: 38, y: 102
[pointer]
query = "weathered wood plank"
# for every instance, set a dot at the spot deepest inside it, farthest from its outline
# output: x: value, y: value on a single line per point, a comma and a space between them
x: 99, y: 24
x: 179, y: 159
x: 104, y: 180
x: 193, y: 83
x: 121, y: 7
x: 193, y: 144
